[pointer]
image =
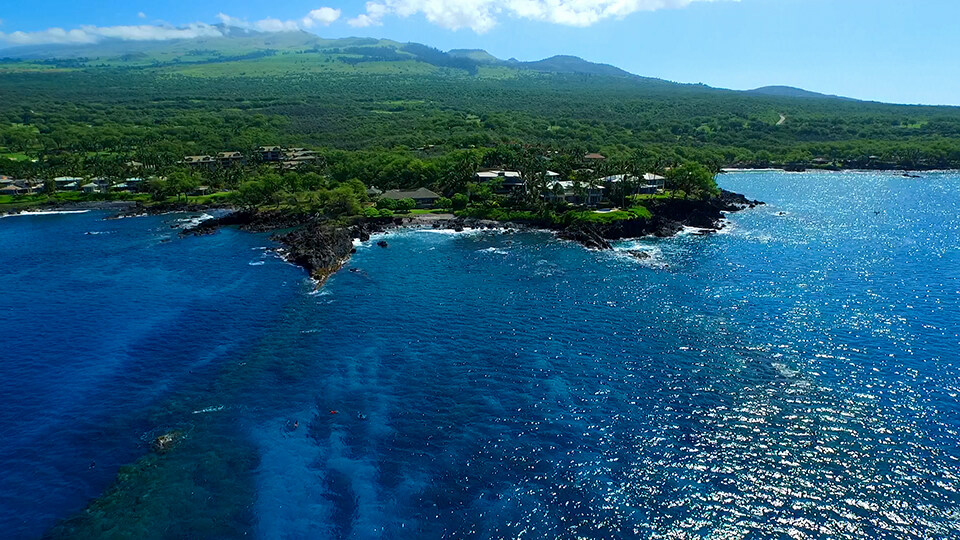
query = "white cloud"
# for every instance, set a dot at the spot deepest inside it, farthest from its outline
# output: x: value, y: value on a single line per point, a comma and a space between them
x: 323, y: 16
x: 93, y: 34
x: 147, y: 32
x: 482, y: 15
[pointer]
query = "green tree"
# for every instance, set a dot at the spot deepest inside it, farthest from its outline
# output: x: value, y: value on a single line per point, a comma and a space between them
x: 693, y: 179
x: 459, y: 201
x: 343, y: 202
x: 406, y: 205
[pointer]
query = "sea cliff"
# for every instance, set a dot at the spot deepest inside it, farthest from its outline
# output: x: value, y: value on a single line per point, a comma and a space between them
x: 321, y: 245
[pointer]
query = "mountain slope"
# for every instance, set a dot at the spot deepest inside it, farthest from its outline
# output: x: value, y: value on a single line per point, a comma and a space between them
x: 574, y: 64
x: 790, y: 91
x: 243, y: 52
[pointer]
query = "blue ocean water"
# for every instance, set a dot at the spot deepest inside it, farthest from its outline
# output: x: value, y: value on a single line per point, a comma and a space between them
x: 795, y: 375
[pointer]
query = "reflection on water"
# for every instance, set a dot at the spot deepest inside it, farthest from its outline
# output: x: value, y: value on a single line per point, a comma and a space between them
x: 794, y: 377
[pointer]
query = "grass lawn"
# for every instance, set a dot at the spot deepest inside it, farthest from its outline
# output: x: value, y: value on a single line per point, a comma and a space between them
x: 590, y: 216
x: 429, y: 211
x: 15, y: 156
x: 219, y: 197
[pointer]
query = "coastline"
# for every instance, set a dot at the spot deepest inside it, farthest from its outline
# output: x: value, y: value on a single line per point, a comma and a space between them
x: 322, y: 246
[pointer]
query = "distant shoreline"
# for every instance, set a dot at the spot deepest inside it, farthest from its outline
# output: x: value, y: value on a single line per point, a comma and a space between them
x: 897, y: 172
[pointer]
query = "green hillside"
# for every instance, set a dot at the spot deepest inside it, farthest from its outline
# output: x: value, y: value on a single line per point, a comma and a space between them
x: 162, y: 100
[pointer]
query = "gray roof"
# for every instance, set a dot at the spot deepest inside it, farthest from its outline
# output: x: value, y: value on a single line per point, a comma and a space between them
x: 421, y: 193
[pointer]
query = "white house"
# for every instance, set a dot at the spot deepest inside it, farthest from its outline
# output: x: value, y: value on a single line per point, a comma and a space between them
x: 509, y: 180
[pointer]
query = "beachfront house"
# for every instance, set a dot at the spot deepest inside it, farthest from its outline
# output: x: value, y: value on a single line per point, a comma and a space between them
x: 422, y: 196
x: 649, y: 183
x: 63, y: 182
x: 92, y: 187
x: 12, y: 189
x: 508, y: 181
x: 652, y: 183
x: 573, y: 193
x: 134, y: 184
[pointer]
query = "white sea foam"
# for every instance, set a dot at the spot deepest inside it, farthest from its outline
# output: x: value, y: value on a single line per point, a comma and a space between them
x: 45, y: 213
x: 194, y: 221
x: 217, y: 408
x: 257, y: 263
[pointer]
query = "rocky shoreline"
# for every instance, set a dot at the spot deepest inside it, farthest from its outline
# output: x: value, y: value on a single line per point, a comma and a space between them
x: 322, y: 246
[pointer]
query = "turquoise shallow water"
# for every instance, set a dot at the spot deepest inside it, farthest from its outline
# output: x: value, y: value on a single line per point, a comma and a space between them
x: 795, y: 375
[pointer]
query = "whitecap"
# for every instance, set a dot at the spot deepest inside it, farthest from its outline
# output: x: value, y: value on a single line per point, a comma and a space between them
x: 216, y: 408
x: 785, y: 371
x: 45, y: 213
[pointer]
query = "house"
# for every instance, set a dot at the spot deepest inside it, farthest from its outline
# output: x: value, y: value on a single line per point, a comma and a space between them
x: 63, y: 181
x: 647, y: 184
x: 422, y: 196
x: 594, y: 157
x: 4, y: 180
x: 374, y: 192
x: 568, y: 191
x: 12, y: 189
x: 103, y: 182
x: 652, y: 183
x: 208, y: 162
x: 123, y: 186
x: 616, y: 179
x: 229, y: 159
x: 134, y: 183
x: 509, y: 180
x: 90, y: 188
x: 72, y: 186
x: 270, y: 153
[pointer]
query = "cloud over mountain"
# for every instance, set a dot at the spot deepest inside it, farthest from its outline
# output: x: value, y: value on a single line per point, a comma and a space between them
x: 482, y: 15
x: 148, y: 32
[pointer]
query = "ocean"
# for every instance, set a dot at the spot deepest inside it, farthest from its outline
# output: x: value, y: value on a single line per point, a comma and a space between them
x: 795, y: 375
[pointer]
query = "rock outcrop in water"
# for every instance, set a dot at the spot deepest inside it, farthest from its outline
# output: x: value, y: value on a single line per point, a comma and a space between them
x: 322, y: 246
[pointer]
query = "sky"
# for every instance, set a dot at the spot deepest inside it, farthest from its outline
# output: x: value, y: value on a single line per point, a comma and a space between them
x: 898, y: 51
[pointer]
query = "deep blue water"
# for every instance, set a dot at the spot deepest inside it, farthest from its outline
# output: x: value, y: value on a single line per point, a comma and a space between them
x: 796, y: 375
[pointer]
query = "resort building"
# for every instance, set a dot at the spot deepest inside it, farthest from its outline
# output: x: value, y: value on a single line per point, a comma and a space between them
x: 270, y: 153
x: 422, y: 196
x: 208, y: 162
x: 229, y: 159
x: 90, y: 188
x: 594, y: 157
